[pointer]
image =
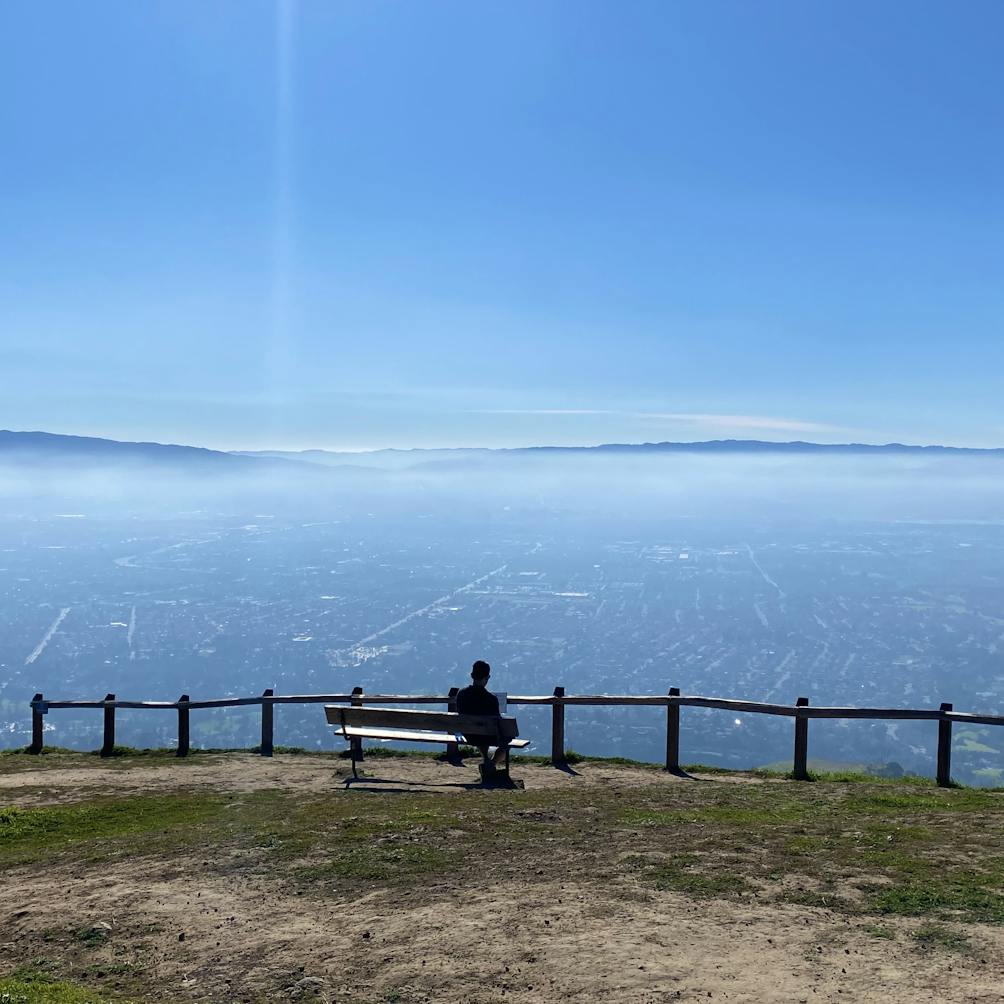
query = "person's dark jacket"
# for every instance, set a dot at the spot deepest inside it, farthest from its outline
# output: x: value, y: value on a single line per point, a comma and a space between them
x: 475, y: 700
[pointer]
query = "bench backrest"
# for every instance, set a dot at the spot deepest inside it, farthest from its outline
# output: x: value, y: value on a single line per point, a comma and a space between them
x: 426, y: 721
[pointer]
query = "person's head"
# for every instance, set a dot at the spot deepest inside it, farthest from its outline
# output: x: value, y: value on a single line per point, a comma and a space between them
x: 480, y: 672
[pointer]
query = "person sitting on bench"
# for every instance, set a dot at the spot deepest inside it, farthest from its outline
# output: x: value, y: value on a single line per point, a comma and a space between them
x: 478, y: 700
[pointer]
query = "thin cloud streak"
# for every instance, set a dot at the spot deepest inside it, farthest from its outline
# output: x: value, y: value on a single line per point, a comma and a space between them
x: 544, y: 411
x: 744, y: 422
x: 711, y: 421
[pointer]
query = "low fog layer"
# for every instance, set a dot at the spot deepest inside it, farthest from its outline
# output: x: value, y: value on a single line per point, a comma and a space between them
x: 766, y: 486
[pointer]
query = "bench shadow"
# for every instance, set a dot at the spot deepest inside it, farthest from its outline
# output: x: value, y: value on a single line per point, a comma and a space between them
x: 400, y: 787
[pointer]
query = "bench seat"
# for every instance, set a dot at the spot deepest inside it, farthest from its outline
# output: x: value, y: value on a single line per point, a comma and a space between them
x: 406, y: 736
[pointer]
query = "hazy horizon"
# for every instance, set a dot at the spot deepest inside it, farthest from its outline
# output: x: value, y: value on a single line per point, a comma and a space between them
x: 780, y: 441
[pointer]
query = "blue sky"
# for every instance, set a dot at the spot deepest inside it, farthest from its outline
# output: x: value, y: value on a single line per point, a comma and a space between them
x: 321, y: 223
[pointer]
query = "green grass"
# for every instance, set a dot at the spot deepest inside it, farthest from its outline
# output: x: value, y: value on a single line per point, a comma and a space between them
x: 35, y: 833
x: 377, y: 864
x: 880, y: 931
x: 905, y: 837
x: 92, y: 937
x: 685, y: 874
x: 860, y: 777
x: 766, y: 814
x: 945, y: 938
x: 32, y: 985
x: 766, y: 773
x: 961, y: 895
x: 46, y: 751
x: 870, y: 801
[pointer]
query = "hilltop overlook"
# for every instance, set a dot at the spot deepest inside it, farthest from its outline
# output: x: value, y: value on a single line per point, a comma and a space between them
x: 237, y: 878
x: 630, y: 368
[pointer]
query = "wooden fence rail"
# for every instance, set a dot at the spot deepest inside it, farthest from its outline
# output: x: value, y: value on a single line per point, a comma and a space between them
x: 801, y: 711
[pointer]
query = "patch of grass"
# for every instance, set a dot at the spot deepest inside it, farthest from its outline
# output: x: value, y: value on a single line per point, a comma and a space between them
x: 963, y: 895
x: 939, y: 936
x: 690, y: 875
x: 340, y: 831
x: 573, y: 757
x: 381, y: 863
x: 692, y: 880
x: 764, y: 814
x: 28, y: 834
x: 893, y: 845
x: 32, y: 985
x: 127, y: 751
x: 863, y: 777
x: 703, y: 768
x: 805, y: 844
x: 880, y: 931
x: 92, y: 937
x: 619, y: 761
x: 874, y: 802
x: 103, y: 969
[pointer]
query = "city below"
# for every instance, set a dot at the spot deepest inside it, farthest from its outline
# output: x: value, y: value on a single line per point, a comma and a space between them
x: 399, y: 587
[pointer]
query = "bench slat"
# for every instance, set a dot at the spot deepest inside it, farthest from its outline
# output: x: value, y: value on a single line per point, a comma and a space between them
x: 402, y: 735
x: 405, y: 718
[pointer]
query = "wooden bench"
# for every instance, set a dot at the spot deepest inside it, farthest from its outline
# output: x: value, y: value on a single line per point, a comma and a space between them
x: 405, y: 725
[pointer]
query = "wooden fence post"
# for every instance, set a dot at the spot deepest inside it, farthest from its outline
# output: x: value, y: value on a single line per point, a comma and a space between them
x: 452, y: 749
x: 673, y: 733
x: 945, y: 749
x: 266, y: 723
x: 356, y: 745
x: 108, y: 745
x: 558, y: 727
x: 37, y: 725
x: 801, y: 769
x: 183, y: 725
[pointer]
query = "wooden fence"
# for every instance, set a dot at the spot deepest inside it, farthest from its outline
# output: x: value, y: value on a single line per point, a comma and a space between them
x: 945, y: 716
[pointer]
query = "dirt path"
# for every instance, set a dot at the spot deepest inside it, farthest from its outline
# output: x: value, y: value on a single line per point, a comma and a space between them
x: 528, y: 941
x: 244, y: 772
x: 199, y: 930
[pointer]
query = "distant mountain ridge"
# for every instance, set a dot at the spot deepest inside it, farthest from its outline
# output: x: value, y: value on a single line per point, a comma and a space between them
x: 42, y: 448
x: 35, y: 449
x: 395, y: 458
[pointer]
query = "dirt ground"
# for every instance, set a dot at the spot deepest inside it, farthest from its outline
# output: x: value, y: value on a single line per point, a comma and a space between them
x: 244, y: 772
x: 528, y: 935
